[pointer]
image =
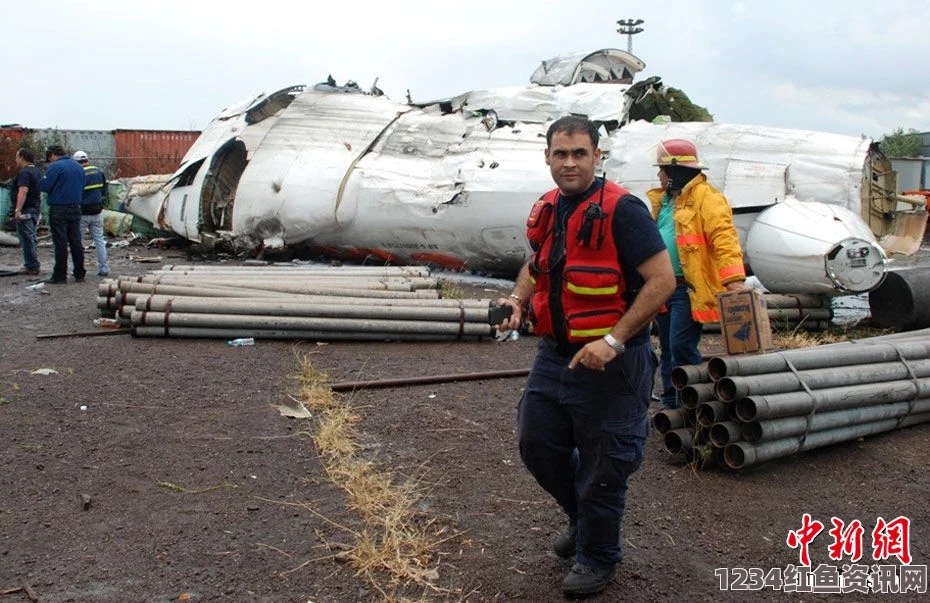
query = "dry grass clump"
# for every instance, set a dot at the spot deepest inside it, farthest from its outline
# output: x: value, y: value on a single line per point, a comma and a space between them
x: 796, y: 338
x: 450, y: 290
x: 396, y: 542
x: 790, y: 340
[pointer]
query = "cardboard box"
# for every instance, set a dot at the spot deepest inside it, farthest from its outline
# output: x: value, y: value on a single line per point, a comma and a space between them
x: 744, y: 322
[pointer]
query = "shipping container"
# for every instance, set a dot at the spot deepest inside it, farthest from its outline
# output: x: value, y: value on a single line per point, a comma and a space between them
x: 142, y: 152
x: 98, y: 144
x: 10, y: 138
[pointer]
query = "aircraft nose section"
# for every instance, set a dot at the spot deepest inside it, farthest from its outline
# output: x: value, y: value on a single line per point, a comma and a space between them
x: 811, y: 247
x: 855, y: 265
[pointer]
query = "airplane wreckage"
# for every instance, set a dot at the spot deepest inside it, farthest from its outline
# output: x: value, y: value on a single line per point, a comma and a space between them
x: 355, y: 175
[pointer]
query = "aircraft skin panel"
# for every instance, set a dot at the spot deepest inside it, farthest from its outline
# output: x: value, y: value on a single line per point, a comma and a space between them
x: 821, y: 166
x: 471, y: 204
x: 563, y: 70
x: 293, y: 179
x: 495, y: 245
x: 600, y: 102
x: 178, y: 208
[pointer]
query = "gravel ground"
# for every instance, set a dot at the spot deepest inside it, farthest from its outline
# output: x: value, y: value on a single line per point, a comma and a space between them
x: 162, y: 470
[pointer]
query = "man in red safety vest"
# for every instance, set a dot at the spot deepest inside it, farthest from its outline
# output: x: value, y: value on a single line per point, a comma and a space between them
x: 598, y: 275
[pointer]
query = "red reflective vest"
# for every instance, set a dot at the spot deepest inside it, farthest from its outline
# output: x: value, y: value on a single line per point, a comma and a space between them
x: 589, y: 290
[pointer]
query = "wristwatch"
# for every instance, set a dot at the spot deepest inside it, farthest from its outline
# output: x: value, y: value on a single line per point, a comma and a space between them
x: 616, y: 345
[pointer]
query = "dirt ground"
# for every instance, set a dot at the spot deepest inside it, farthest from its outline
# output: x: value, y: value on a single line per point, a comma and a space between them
x: 161, y: 470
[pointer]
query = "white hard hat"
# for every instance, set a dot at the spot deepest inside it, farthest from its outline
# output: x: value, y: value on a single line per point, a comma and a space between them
x: 79, y: 156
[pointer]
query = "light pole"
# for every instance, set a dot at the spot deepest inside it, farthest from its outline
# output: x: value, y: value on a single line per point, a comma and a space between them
x: 628, y: 27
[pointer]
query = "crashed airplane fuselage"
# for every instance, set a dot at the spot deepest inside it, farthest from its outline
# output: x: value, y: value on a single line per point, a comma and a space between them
x: 357, y: 175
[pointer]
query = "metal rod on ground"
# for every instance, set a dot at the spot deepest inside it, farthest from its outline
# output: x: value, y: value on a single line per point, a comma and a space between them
x: 743, y: 454
x: 246, y: 273
x: 142, y: 287
x: 404, y: 283
x: 169, y: 321
x: 99, y: 333
x: 270, y: 282
x: 125, y: 304
x: 311, y: 289
x: 127, y: 286
x: 330, y: 310
x: 322, y: 299
x: 776, y: 429
x: 113, y: 296
x: 387, y: 270
x: 294, y: 335
x: 402, y: 382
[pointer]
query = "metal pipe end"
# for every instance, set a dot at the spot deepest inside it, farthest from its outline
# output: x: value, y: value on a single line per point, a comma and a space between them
x: 747, y: 409
x: 726, y: 389
x: 688, y: 374
x: 739, y: 455
x: 689, y: 397
x: 717, y: 367
x: 662, y: 421
x: 678, y: 440
x: 707, y: 413
x: 752, y: 431
x: 724, y: 433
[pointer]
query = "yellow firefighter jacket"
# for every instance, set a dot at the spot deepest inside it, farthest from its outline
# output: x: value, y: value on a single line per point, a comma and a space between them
x: 708, y: 245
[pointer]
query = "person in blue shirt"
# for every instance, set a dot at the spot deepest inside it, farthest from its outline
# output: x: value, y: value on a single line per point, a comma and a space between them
x: 64, y: 185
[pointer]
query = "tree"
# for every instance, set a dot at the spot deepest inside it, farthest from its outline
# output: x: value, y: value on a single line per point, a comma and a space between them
x: 901, y: 144
x: 652, y: 98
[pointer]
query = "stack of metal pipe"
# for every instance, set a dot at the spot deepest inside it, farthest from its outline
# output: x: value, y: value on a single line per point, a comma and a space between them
x: 741, y: 410
x: 789, y: 312
x: 293, y: 302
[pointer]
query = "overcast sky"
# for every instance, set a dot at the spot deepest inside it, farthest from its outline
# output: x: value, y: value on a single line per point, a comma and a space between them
x: 845, y: 66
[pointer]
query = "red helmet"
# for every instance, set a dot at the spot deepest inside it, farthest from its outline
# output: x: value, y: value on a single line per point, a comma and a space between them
x: 678, y: 151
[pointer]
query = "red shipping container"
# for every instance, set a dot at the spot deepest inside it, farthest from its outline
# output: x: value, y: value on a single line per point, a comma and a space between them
x: 141, y: 152
x: 9, y: 144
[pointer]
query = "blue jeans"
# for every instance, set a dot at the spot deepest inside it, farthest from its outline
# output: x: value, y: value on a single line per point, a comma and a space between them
x: 94, y: 223
x: 582, y: 433
x: 65, y: 223
x: 26, y: 231
x: 679, y: 337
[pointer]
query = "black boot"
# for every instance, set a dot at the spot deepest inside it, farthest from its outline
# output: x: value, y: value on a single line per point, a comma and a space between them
x: 564, y: 545
x: 584, y: 580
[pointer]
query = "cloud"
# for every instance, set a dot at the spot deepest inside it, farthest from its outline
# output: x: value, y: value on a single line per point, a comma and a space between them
x: 849, y: 67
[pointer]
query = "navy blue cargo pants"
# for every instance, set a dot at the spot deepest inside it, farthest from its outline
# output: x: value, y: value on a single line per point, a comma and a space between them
x: 582, y: 433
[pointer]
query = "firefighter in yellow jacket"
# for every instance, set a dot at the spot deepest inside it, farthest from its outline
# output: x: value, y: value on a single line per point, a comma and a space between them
x: 696, y: 223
